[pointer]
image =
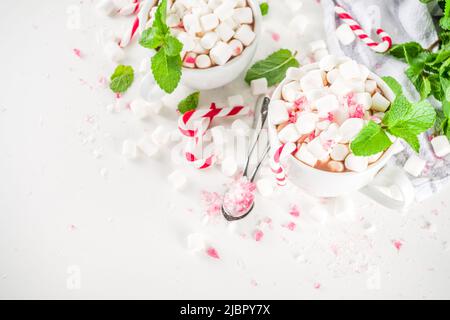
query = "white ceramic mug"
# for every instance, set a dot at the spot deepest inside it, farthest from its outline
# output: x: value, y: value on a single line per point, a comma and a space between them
x: 218, y: 76
x: 330, y: 184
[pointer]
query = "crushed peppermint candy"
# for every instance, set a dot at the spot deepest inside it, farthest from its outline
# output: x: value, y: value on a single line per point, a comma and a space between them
x: 240, y: 198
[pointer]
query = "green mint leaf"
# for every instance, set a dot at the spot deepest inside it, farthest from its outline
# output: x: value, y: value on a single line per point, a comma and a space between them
x: 172, y: 46
x: 160, y: 17
x: 273, y: 68
x: 189, y: 103
x: 371, y: 140
x: 264, y: 8
x: 152, y: 38
x: 394, y: 85
x: 406, y: 51
x: 406, y: 120
x: 122, y: 79
x: 421, y: 82
x: 166, y: 70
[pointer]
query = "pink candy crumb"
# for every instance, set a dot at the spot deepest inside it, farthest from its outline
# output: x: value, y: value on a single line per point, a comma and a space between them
x: 258, y: 235
x: 398, y: 244
x: 78, y: 53
x: 211, y: 252
x: 294, y: 211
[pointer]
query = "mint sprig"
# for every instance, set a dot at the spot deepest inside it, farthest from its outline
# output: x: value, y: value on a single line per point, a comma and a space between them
x: 189, y: 103
x: 273, y: 68
x: 166, y: 63
x: 121, y: 79
x: 404, y: 119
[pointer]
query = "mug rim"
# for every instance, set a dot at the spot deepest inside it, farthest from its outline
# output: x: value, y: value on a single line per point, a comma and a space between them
x: 389, y: 94
x: 247, y: 51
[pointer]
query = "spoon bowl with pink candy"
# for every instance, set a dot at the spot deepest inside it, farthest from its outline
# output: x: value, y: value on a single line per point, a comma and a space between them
x: 321, y: 108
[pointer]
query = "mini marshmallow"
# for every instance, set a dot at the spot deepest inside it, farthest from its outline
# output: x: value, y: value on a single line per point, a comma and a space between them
x: 196, y: 243
x: 356, y: 164
x: 155, y: 107
x: 357, y: 86
x: 291, y: 91
x: 173, y: 20
x: 140, y: 108
x: 259, y: 86
x: 294, y: 6
x: 294, y: 74
x: 129, y: 149
x: 305, y: 156
x: 236, y: 101
x: 203, y: 61
x: 414, y: 165
x: 209, y: 22
x: 345, y: 34
x: 187, y: 40
x: 225, y: 10
x: 289, y: 134
x: 350, y: 70
x: 374, y: 158
x: 312, y: 80
x: 323, y: 125
x: 441, y: 146
x: 229, y: 166
x: 265, y: 187
x: 380, y: 103
x: 177, y: 179
x: 221, y: 53
x: 213, y: 4
x: 299, y: 24
x: 209, y: 40
x: 340, y: 87
x: 364, y: 99
x: 350, y: 129
x: 236, y: 46
x: 320, y: 54
x: 243, y: 15
x: 192, y: 24
x: 328, y: 63
x: 106, y: 7
x: 371, y: 86
x: 331, y: 134
x: 240, y: 3
x: 198, y: 49
x: 306, y: 122
x: 161, y: 136
x: 317, y: 150
x: 245, y: 34
x: 113, y: 52
x: 202, y: 9
x: 232, y: 23
x: 336, y: 166
x: 240, y: 128
x: 147, y: 146
x: 189, y: 60
x: 326, y: 105
x: 278, y: 112
x: 332, y: 75
x: 364, y: 72
x: 339, y: 152
x: 225, y: 32
x: 317, y: 45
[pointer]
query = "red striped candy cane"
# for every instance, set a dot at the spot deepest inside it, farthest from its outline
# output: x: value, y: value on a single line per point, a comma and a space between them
x: 380, y: 47
x: 130, y: 9
x: 279, y: 155
x: 139, y: 22
x: 194, y: 124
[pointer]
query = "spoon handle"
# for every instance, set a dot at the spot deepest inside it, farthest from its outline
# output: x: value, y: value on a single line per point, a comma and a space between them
x: 266, y: 152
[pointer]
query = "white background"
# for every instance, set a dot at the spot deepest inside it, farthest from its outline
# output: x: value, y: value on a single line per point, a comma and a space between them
x: 67, y: 231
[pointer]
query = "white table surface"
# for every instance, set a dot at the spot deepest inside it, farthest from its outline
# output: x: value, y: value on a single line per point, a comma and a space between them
x: 77, y: 220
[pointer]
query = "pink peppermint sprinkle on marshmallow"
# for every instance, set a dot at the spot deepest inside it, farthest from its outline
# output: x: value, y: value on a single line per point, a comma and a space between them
x: 211, y: 252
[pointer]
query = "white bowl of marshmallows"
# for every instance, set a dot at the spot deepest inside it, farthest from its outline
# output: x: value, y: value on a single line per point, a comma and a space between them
x: 321, y: 108
x: 219, y: 38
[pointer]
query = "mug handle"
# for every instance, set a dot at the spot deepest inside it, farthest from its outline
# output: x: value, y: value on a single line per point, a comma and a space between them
x: 391, y: 176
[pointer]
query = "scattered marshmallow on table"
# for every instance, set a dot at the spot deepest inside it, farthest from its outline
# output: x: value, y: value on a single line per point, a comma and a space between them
x: 129, y: 149
x: 146, y: 145
x: 441, y: 146
x: 317, y: 45
x: 106, y: 7
x: 161, y: 136
x: 140, y: 108
x: 345, y: 34
x: 114, y: 52
x: 178, y: 179
x: 415, y: 165
x: 259, y: 86
x: 196, y: 243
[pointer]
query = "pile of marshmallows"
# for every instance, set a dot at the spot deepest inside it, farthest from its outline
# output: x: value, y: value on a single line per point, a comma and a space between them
x: 212, y: 31
x: 323, y: 111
